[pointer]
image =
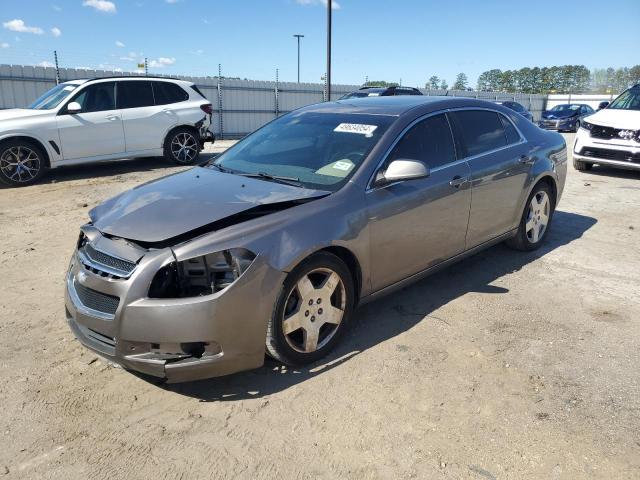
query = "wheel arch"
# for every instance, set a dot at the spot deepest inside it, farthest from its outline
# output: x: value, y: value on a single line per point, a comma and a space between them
x: 551, y: 182
x: 178, y: 127
x: 348, y: 257
x: 37, y: 142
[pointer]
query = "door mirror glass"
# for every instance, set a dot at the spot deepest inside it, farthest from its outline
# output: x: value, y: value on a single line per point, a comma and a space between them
x: 602, y: 105
x: 74, y: 107
x: 403, y: 169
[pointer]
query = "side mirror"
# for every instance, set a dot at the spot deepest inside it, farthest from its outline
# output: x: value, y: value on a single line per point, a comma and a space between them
x: 403, y: 169
x: 74, y: 107
x: 602, y: 105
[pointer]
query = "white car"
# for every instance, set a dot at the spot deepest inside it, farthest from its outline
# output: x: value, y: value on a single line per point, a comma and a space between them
x: 611, y: 136
x: 103, y: 119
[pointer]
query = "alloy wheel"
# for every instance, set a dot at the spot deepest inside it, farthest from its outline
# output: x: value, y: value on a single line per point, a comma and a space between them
x: 538, y: 217
x: 314, y: 310
x: 184, y: 147
x: 20, y: 164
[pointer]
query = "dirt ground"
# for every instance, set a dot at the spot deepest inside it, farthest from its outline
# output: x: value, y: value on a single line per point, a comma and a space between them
x: 505, y: 366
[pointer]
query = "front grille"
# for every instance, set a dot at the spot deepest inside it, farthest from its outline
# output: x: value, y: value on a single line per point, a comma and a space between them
x: 107, y: 260
x: 607, y: 154
x: 550, y: 123
x: 94, y: 300
x: 605, y: 133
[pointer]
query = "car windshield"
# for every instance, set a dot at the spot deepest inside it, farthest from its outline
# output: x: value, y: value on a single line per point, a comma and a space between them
x: 629, y: 100
x: 317, y: 150
x: 565, y: 108
x: 52, y: 98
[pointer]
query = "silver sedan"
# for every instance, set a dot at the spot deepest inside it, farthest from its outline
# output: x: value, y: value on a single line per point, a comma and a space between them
x: 272, y: 245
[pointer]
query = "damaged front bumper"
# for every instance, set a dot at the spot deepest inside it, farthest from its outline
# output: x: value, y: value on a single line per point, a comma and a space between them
x: 179, y: 339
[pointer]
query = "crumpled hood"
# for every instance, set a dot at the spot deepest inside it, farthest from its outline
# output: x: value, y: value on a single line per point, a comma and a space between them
x: 617, y: 118
x: 177, y: 204
x: 14, y: 113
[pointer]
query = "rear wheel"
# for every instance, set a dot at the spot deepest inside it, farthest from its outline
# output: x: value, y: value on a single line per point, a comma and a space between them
x: 182, y: 146
x: 21, y: 163
x: 535, y: 221
x: 582, y: 166
x: 313, y: 310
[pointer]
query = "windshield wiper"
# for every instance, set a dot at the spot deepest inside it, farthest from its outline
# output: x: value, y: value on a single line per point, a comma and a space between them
x: 294, y: 181
x: 220, y: 168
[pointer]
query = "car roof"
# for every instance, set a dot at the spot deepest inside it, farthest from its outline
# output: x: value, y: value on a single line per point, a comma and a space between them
x: 124, y: 77
x: 396, y: 105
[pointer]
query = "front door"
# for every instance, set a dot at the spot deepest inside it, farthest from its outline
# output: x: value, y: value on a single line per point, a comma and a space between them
x: 97, y: 129
x: 416, y: 224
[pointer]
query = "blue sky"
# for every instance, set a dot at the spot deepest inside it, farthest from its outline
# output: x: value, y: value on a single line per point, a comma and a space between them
x: 384, y: 40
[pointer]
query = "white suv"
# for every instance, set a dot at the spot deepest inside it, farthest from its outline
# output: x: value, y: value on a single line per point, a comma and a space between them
x: 611, y: 136
x: 103, y: 119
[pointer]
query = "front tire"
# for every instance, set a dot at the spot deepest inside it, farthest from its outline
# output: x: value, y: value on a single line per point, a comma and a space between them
x: 22, y: 163
x: 535, y: 221
x: 577, y: 126
x: 582, y: 166
x: 182, y: 146
x: 312, y: 312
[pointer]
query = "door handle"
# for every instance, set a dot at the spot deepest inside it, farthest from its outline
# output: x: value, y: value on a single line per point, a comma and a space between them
x: 458, y: 181
x: 527, y: 160
x: 113, y: 117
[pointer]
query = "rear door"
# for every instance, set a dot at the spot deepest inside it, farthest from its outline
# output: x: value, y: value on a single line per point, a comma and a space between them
x: 145, y: 122
x: 498, y: 157
x: 416, y: 224
x: 97, y: 129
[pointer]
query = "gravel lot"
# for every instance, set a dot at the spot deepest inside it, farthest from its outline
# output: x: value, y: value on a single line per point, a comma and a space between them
x: 507, y: 365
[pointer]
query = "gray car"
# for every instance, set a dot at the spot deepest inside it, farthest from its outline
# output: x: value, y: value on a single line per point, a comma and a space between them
x: 272, y: 245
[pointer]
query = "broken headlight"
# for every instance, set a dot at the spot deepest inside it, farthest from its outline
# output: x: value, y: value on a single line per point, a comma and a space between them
x: 201, y: 275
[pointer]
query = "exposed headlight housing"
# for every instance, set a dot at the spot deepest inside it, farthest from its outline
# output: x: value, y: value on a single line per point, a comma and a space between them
x: 201, y: 275
x: 586, y: 125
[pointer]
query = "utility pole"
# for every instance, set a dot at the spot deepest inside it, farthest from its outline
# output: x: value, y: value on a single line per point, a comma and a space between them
x: 55, y: 58
x: 298, y: 36
x: 146, y: 67
x: 328, y: 74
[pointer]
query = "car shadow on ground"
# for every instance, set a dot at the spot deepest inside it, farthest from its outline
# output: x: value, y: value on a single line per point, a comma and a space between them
x: 408, y: 307
x: 109, y: 169
x: 603, y: 171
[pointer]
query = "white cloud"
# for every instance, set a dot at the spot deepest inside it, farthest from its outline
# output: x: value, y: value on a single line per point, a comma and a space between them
x: 17, y: 25
x: 119, y: 44
x: 132, y: 57
x: 104, y: 6
x: 56, y: 32
x: 4, y: 45
x: 45, y: 63
x: 56, y: 8
x: 162, y: 62
x: 171, y: 1
x: 334, y: 5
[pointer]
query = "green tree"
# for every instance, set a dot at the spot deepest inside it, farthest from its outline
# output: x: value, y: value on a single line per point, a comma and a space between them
x: 634, y: 75
x: 444, y: 85
x: 433, y: 83
x: 489, y: 81
x: 461, y: 82
x: 380, y: 83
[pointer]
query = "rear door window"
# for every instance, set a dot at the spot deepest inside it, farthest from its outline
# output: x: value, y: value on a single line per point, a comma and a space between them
x: 478, y: 131
x: 165, y: 93
x: 134, y: 94
x: 429, y: 141
x: 510, y: 131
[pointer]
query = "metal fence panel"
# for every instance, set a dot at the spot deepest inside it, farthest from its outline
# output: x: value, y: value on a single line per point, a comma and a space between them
x: 240, y: 106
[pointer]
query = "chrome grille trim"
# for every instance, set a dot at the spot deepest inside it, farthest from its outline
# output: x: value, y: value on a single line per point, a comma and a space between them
x: 104, y: 264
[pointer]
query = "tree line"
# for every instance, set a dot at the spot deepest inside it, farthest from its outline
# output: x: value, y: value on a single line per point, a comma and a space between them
x: 556, y: 79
